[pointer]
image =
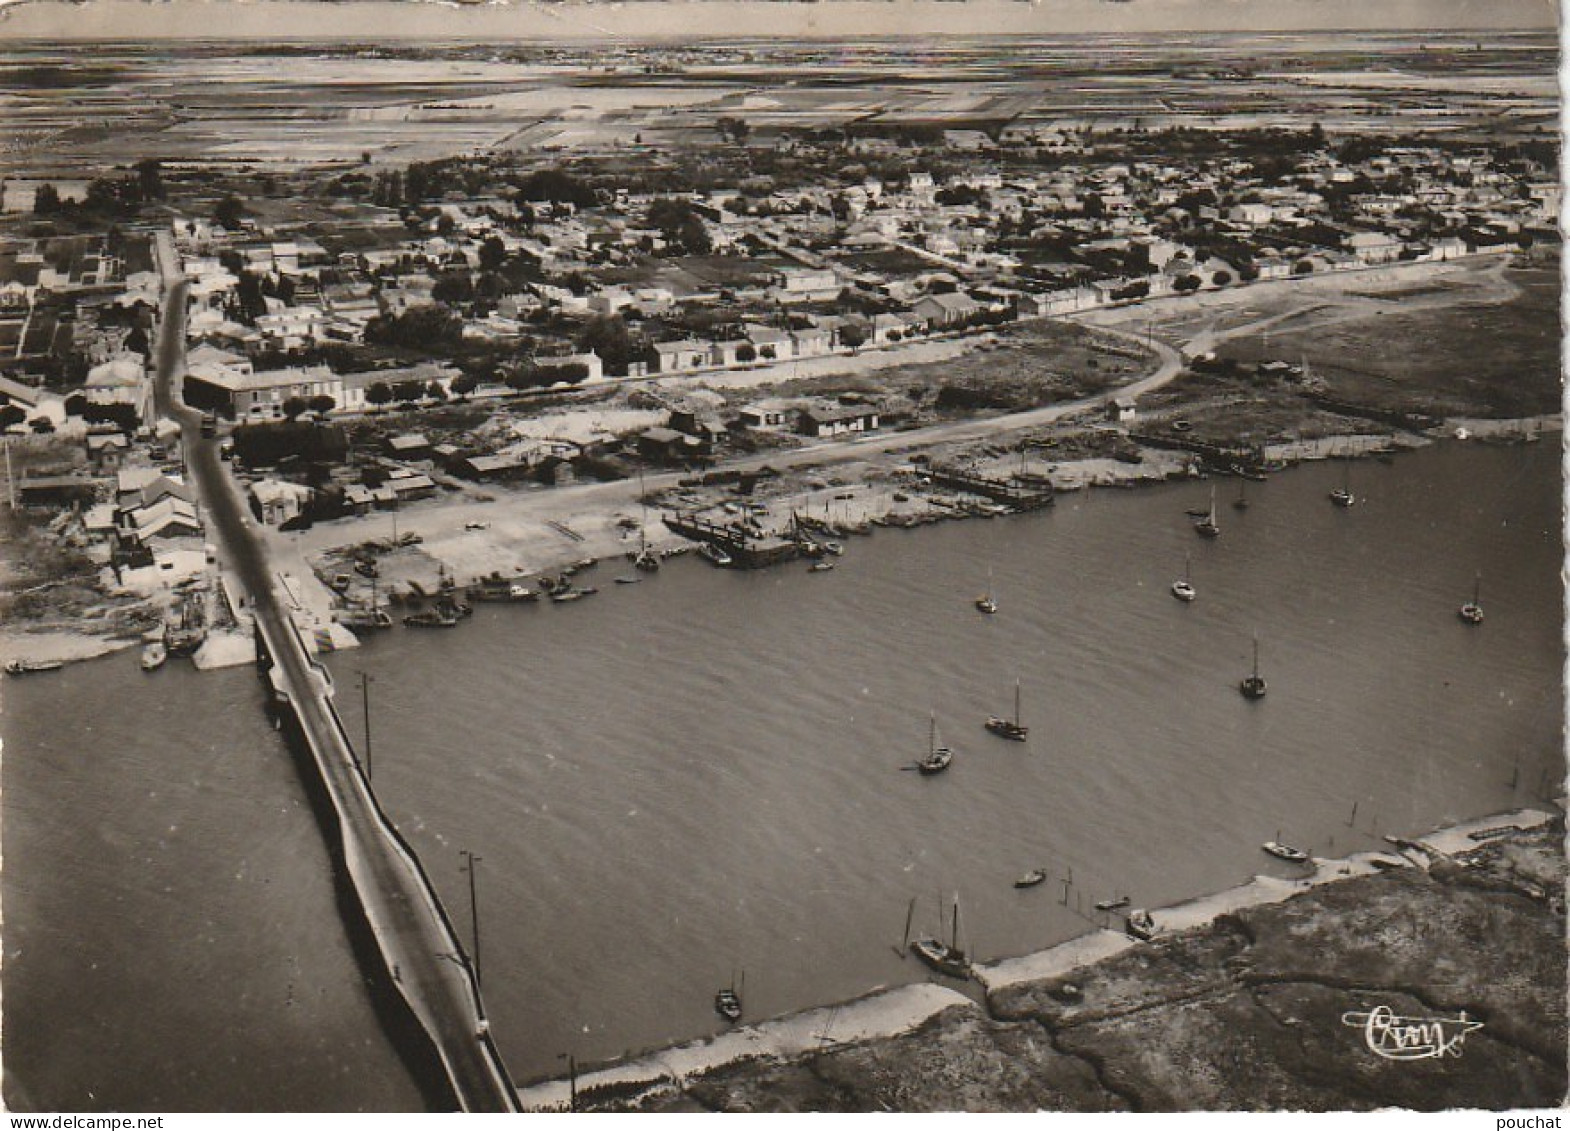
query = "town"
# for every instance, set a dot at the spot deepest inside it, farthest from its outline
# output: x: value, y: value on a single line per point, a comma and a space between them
x: 372, y: 334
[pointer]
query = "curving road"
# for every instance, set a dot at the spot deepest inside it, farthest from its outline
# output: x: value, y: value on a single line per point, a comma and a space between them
x: 417, y: 941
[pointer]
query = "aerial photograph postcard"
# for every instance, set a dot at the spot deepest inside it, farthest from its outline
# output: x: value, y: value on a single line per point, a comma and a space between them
x: 740, y: 556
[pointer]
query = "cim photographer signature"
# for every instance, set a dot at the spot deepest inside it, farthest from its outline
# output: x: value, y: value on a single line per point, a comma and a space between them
x: 1394, y: 1037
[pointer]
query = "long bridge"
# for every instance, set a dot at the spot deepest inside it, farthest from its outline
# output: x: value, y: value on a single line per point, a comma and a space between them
x: 413, y: 935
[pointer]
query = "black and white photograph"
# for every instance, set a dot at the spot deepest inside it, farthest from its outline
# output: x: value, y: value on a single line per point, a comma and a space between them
x: 678, y: 556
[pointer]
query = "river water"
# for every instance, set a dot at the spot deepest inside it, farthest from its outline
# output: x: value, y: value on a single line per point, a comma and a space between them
x: 674, y: 782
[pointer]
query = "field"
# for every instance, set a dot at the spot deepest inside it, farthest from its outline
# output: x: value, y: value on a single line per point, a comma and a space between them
x: 1473, y: 358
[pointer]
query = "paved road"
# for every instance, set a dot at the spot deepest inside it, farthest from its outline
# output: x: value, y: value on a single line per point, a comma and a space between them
x: 416, y: 940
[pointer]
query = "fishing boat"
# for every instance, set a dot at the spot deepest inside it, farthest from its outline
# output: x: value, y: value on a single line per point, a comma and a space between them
x: 1285, y: 852
x: 1141, y: 925
x: 628, y: 580
x: 32, y: 667
x: 1112, y: 904
x: 1207, y: 527
x: 154, y: 654
x: 820, y: 567
x: 1253, y: 686
x: 1342, y: 496
x: 713, y: 552
x: 727, y: 1002
x: 938, y: 757
x: 1031, y: 878
x: 945, y: 957
x: 435, y: 618
x: 987, y: 603
x: 1009, y: 728
x: 1183, y: 589
x: 1472, y: 611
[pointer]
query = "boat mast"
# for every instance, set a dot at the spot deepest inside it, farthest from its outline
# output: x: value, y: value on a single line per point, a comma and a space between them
x: 1016, y: 701
x: 954, y: 940
x: 1477, y: 585
x: 1256, y: 656
x: 910, y: 914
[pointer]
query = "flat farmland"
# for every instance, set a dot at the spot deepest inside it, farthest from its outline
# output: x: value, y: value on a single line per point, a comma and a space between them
x: 1466, y: 357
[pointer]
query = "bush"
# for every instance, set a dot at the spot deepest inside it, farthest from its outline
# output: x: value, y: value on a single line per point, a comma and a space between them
x: 264, y: 445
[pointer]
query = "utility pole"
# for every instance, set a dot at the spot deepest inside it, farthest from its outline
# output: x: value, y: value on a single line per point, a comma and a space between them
x: 365, y: 703
x: 474, y: 908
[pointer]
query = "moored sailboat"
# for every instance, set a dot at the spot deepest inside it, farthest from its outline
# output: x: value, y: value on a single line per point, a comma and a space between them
x: 1009, y: 728
x: 1207, y: 527
x: 945, y: 957
x: 1472, y: 611
x: 938, y: 757
x: 1253, y: 686
x: 987, y: 603
x: 1183, y: 589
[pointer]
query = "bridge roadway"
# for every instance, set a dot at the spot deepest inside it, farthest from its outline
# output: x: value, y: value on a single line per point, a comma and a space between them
x: 415, y: 937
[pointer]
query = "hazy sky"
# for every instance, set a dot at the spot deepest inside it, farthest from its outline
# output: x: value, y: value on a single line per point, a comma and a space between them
x: 378, y: 19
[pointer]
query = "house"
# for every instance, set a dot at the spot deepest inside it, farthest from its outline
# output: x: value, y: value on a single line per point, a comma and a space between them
x: 1373, y: 247
x: 671, y: 357
x: 771, y: 344
x: 812, y: 342
x: 407, y: 486
x: 944, y: 309
x: 107, y: 450
x: 260, y: 396
x: 121, y: 381
x: 836, y: 420
x: 276, y: 501
x: 666, y: 445
x: 409, y: 445
x: 766, y: 414
x: 55, y: 490
x: 491, y: 468
x: 1121, y: 410
x: 167, y: 518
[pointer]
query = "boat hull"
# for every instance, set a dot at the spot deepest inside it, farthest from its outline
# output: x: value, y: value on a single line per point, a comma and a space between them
x: 945, y: 959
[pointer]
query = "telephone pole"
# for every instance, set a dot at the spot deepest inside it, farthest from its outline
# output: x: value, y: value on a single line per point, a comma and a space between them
x: 474, y: 908
x: 365, y: 703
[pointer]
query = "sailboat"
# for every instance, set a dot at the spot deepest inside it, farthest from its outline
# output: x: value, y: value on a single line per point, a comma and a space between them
x: 727, y: 1002
x: 1342, y: 496
x: 1241, y: 502
x: 1472, y: 611
x: 938, y: 757
x: 1253, y: 686
x: 1183, y: 588
x: 987, y: 603
x: 944, y: 957
x: 645, y: 559
x: 1207, y: 526
x: 1009, y: 728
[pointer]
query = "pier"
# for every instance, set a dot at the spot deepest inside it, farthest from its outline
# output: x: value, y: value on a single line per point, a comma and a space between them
x: 1019, y: 492
x: 411, y: 930
x: 750, y: 551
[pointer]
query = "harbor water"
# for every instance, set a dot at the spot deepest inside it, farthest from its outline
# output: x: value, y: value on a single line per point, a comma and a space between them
x: 709, y: 773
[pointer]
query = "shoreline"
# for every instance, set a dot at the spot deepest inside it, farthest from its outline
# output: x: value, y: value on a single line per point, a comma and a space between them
x: 596, y: 529
x: 885, y: 1013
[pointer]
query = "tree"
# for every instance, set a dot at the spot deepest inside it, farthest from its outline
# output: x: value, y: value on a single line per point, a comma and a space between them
x: 11, y: 414
x: 607, y: 336
x: 294, y: 406
x: 322, y: 404
x: 1186, y: 283
x: 149, y: 175
x: 379, y: 394
x: 852, y: 336
x: 46, y: 201
x: 228, y: 211
x: 435, y: 391
x: 408, y: 391
x: 453, y: 287
x: 1303, y: 267
x: 464, y: 384
x: 493, y: 253
x: 1221, y: 278
x: 746, y: 353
